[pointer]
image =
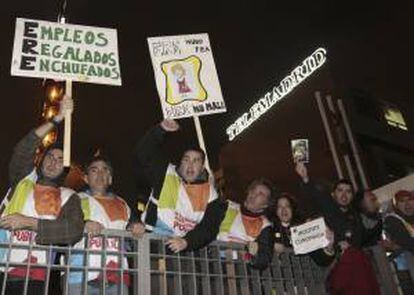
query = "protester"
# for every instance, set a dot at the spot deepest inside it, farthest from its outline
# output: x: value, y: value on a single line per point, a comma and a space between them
x: 353, y: 272
x: 246, y: 223
x: 184, y: 203
x: 366, y: 203
x: 399, y: 229
x: 335, y: 208
x: 399, y: 224
x: 40, y: 210
x: 286, y: 216
x: 102, y: 209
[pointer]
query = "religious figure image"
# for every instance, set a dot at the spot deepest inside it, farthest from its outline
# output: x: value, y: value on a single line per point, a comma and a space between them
x: 183, y: 81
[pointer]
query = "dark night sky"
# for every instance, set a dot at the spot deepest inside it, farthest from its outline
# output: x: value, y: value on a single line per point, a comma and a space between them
x: 255, y: 43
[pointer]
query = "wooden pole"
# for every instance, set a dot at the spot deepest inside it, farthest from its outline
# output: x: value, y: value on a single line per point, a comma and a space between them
x: 201, y: 142
x: 68, y: 129
x: 67, y: 136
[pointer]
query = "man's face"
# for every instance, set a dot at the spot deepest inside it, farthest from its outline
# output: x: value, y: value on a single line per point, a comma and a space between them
x: 257, y: 198
x: 406, y: 205
x: 52, y: 165
x: 99, y: 177
x: 370, y: 203
x: 284, y: 210
x: 343, y: 194
x: 191, y: 165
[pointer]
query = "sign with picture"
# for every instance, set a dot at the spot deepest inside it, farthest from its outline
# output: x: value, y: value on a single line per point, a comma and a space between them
x: 186, y: 76
x: 65, y: 52
x: 309, y: 236
x: 300, y: 150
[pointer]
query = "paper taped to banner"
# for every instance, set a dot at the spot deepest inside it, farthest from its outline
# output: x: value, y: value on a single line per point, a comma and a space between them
x: 65, y: 52
x: 186, y: 76
x: 309, y: 236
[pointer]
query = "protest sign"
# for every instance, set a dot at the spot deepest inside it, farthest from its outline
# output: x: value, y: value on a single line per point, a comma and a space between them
x: 65, y: 52
x: 309, y: 236
x: 186, y: 76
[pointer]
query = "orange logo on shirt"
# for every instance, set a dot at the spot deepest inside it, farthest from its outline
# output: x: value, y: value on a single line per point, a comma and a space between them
x: 252, y: 225
x: 114, y: 207
x: 47, y: 200
x: 198, y: 195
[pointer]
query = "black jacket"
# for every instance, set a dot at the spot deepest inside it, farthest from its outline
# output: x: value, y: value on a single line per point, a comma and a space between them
x: 265, y: 241
x: 372, y: 230
x: 282, y: 234
x: 346, y: 225
x: 398, y: 233
x: 265, y: 252
x: 152, y: 163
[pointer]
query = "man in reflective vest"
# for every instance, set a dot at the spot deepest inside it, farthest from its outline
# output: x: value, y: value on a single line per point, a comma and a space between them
x: 102, y: 209
x: 184, y: 204
x: 40, y: 211
x: 246, y: 223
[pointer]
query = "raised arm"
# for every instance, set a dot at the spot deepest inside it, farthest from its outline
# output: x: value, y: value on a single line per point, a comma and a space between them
x: 321, y: 200
x: 150, y: 160
x: 22, y: 160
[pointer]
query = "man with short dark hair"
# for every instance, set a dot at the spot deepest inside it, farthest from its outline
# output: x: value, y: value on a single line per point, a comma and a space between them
x: 336, y: 208
x: 102, y: 209
x: 352, y: 272
x: 247, y: 224
x: 41, y: 210
x: 184, y: 203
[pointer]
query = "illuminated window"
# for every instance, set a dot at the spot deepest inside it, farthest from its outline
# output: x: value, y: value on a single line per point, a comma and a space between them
x: 394, y: 117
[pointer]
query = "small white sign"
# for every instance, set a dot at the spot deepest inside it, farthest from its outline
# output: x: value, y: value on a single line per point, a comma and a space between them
x: 309, y: 236
x: 65, y: 52
x: 300, y: 150
x: 186, y: 76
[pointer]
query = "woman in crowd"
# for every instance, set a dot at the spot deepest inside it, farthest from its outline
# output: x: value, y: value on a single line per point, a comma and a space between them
x: 286, y: 216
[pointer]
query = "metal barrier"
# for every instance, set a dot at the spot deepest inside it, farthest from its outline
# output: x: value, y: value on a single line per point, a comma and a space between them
x: 217, y: 269
x: 390, y: 279
x: 221, y: 268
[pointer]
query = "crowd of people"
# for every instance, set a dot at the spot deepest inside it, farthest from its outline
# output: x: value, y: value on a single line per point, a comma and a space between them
x: 185, y: 206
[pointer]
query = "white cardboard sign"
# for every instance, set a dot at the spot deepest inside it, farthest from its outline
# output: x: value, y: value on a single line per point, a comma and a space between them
x: 309, y: 236
x: 65, y: 52
x: 186, y: 76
